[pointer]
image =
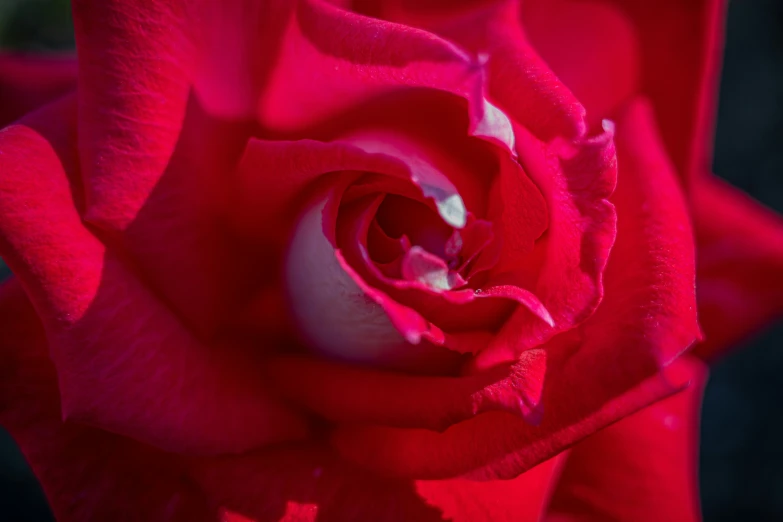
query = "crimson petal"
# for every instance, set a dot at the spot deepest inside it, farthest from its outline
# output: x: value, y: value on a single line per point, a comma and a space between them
x: 125, y: 363
x: 29, y: 81
x: 643, y: 468
x: 740, y: 264
x: 86, y: 474
x: 308, y: 484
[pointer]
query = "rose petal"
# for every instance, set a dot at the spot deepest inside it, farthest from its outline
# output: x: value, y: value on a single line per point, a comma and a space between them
x: 683, y: 41
x: 306, y: 482
x: 289, y: 43
x: 740, y: 264
x: 605, y: 52
x: 500, y: 445
x: 433, y: 183
x: 520, y: 83
x: 596, y: 374
x: 29, y: 81
x: 576, y: 180
x: 129, y: 129
x: 273, y: 174
x: 151, y: 155
x: 125, y: 363
x: 459, y: 310
x: 337, y: 312
x: 419, y: 265
x: 644, y: 468
x: 301, y: 484
x: 593, y: 48
x: 86, y: 474
x: 522, y: 499
x: 402, y: 400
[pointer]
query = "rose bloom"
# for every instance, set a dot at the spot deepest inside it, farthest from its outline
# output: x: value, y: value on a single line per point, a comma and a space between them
x: 372, y: 260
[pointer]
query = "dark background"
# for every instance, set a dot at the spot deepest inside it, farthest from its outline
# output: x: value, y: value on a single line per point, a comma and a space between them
x: 742, y: 427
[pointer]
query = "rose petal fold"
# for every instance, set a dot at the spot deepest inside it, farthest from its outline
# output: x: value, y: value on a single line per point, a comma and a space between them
x: 30, y: 81
x: 644, y: 468
x: 308, y: 484
x: 125, y: 362
x: 394, y: 399
x: 576, y: 179
x: 86, y: 474
x: 605, y: 369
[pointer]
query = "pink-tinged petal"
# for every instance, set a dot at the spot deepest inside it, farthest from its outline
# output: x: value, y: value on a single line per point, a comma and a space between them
x: 576, y: 180
x: 606, y: 52
x: 434, y: 183
x: 125, y: 363
x: 30, y: 81
x: 591, y: 46
x: 308, y: 484
x: 740, y: 264
x: 430, y: 270
x: 642, y: 469
x: 86, y: 474
x: 401, y: 400
x: 338, y: 313
x: 273, y: 176
x: 619, y: 360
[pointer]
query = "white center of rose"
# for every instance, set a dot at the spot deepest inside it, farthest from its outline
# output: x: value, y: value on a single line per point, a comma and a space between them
x: 336, y: 316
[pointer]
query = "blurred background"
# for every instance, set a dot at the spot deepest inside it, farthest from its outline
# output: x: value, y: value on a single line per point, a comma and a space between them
x: 742, y: 426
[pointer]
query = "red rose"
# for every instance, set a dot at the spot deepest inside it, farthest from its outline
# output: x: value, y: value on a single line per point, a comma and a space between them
x: 299, y: 261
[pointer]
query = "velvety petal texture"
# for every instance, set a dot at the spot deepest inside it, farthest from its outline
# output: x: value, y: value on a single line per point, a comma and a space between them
x: 370, y: 260
x: 125, y: 362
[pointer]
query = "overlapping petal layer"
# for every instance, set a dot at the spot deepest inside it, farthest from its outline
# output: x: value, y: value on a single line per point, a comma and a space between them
x: 125, y: 362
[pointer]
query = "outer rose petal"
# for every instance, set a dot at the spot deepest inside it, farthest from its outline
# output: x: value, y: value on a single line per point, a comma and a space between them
x: 634, y: 47
x: 682, y: 40
x: 740, y: 264
x: 86, y: 474
x: 151, y: 156
x: 130, y: 128
x: 125, y: 363
x: 605, y: 369
x: 520, y: 82
x: 642, y: 469
x: 307, y: 484
x: 27, y: 82
x: 606, y: 51
x: 591, y: 46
